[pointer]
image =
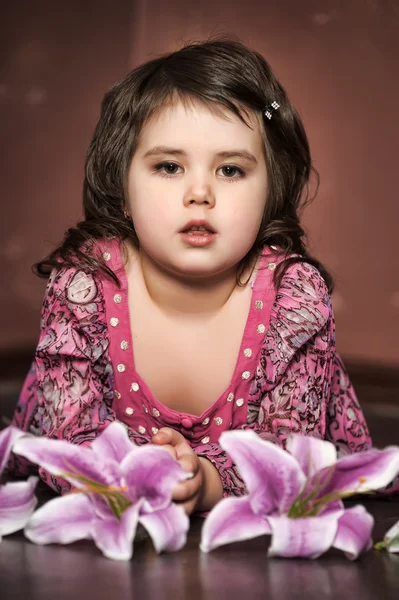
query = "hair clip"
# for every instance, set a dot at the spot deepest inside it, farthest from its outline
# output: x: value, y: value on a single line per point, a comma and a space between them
x: 268, y: 111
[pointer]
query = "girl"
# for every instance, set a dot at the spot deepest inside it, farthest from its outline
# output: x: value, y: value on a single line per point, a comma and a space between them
x: 186, y: 303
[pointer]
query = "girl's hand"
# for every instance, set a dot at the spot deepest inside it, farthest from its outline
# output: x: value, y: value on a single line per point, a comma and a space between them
x: 189, y: 492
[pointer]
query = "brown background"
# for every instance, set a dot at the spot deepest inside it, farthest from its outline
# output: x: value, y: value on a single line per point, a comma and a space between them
x: 339, y: 62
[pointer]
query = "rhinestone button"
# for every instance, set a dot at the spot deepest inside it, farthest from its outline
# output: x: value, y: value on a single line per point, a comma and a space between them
x: 121, y: 368
x: 230, y: 397
x: 240, y: 401
x: 248, y: 352
x: 154, y: 430
x: 261, y: 328
x: 258, y: 304
x: 141, y: 429
x: 134, y: 387
x: 205, y: 439
x: 205, y: 421
x: 218, y: 420
x: 124, y: 345
x: 114, y: 321
x: 117, y: 298
x: 117, y: 394
x: 145, y: 409
x: 273, y: 247
x: 129, y: 410
x: 156, y: 412
x: 246, y: 375
x: 271, y: 266
x: 106, y: 256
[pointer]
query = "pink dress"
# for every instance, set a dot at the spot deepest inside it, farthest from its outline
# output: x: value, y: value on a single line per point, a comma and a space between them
x: 288, y: 376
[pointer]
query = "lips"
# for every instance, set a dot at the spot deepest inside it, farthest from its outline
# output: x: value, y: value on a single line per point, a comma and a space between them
x: 193, y: 231
x: 198, y: 227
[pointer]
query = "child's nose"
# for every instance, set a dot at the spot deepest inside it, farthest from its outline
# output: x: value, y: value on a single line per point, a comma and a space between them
x: 200, y: 194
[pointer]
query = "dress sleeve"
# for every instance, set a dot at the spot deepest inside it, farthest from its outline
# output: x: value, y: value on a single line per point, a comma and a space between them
x: 74, y: 377
x: 292, y: 387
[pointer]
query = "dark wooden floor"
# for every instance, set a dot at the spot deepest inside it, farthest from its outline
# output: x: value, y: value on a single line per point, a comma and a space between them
x: 232, y: 572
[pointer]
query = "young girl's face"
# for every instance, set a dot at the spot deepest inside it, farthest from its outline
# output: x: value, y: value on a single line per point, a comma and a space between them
x: 194, y: 165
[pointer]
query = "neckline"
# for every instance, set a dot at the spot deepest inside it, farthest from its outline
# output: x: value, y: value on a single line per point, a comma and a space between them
x: 255, y: 284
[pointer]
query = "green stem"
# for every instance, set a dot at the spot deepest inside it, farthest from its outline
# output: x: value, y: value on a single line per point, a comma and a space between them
x: 380, y: 546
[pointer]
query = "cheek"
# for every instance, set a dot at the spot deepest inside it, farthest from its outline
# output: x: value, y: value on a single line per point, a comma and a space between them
x: 152, y: 219
x: 150, y: 208
x: 246, y: 229
x: 243, y: 224
x: 247, y: 214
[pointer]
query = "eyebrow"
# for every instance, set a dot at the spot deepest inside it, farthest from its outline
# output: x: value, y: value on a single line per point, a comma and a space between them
x: 157, y: 150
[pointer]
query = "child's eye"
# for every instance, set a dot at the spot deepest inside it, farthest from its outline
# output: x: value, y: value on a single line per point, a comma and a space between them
x: 166, y: 169
x: 230, y: 170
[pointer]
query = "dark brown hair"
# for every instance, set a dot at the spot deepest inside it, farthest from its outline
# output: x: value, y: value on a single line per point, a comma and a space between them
x: 222, y: 74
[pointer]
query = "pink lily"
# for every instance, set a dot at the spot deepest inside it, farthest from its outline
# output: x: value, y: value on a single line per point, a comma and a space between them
x: 116, y: 486
x: 296, y: 496
x: 17, y: 500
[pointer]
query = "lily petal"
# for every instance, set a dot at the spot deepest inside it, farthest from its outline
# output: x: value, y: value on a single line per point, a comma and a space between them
x: 231, y: 520
x: 17, y: 503
x: 365, y: 471
x: 167, y: 527
x: 61, y: 520
x: 8, y: 437
x: 307, y: 537
x: 311, y: 453
x: 391, y: 538
x: 113, y: 443
x: 115, y: 537
x: 273, y: 477
x: 354, y: 531
x: 151, y: 473
x: 60, y: 457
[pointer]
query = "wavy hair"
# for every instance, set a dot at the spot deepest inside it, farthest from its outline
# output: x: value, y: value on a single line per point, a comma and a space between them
x: 221, y: 73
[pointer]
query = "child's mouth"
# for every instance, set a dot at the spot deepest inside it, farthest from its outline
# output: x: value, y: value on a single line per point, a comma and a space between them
x: 198, y: 231
x: 198, y: 236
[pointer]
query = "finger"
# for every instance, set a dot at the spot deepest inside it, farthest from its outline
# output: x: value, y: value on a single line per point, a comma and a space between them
x: 190, y: 505
x: 187, y: 489
x: 170, y: 450
x: 189, y: 462
x: 161, y: 438
x: 166, y: 435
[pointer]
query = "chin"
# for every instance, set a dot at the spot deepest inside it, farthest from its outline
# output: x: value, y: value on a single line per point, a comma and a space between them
x: 201, y: 268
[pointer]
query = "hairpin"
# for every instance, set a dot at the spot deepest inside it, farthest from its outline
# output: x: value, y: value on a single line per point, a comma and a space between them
x: 268, y: 111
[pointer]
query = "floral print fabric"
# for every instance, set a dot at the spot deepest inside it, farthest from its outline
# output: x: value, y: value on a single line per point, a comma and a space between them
x: 288, y: 376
